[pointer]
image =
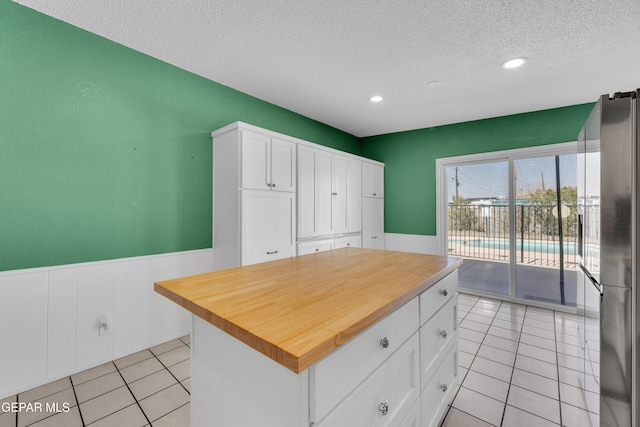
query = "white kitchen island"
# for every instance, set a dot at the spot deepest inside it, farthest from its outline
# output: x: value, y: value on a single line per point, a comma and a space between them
x: 349, y: 337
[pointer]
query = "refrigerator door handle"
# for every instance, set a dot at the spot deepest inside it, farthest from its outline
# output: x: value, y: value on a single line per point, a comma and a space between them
x: 592, y: 279
x: 580, y: 228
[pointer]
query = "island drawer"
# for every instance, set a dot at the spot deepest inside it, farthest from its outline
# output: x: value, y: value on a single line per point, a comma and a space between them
x: 435, y: 335
x: 386, y: 397
x: 335, y: 376
x: 440, y: 389
x: 437, y: 295
x: 313, y: 246
x: 413, y: 417
x: 348, y: 241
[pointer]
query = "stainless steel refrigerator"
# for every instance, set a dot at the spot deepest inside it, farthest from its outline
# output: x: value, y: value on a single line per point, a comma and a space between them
x: 608, y: 162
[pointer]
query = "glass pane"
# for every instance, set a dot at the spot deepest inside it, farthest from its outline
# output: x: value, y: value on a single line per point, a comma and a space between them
x: 478, y: 224
x: 545, y: 234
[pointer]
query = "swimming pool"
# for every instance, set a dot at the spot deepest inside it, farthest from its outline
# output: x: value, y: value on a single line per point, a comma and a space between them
x: 543, y: 247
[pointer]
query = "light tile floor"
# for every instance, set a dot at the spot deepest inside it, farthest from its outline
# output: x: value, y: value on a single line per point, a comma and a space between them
x: 517, y: 368
x: 148, y: 388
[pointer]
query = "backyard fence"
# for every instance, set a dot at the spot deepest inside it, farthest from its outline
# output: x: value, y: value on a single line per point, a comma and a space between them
x: 482, y: 232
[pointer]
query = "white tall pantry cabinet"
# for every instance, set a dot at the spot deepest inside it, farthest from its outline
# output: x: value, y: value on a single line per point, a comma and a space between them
x: 329, y: 187
x: 276, y: 196
x: 372, y: 206
x: 254, y: 209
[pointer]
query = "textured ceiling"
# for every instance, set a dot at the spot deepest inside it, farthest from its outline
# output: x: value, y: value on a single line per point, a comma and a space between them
x: 324, y: 59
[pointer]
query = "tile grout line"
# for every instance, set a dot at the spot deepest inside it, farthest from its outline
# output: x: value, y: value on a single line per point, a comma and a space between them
x: 77, y: 401
x: 133, y: 395
x: 474, y: 358
x: 171, y: 373
x: 513, y: 368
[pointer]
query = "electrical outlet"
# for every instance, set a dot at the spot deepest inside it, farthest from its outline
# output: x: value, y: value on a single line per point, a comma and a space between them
x: 104, y: 325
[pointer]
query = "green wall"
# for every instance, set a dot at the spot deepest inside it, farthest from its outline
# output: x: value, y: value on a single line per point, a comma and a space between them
x: 410, y: 157
x: 105, y: 152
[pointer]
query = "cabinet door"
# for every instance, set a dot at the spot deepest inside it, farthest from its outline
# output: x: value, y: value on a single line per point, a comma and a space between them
x: 306, y: 193
x: 267, y: 226
x: 372, y: 223
x: 323, y: 190
x: 372, y: 180
x: 255, y: 161
x: 283, y: 165
x: 354, y: 201
x: 339, y: 192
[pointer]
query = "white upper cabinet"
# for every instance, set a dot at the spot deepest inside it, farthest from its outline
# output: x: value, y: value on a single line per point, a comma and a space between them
x: 268, y: 163
x: 271, y: 191
x: 328, y: 193
x: 372, y: 180
x: 323, y: 197
x: 354, y: 200
x: 339, y: 186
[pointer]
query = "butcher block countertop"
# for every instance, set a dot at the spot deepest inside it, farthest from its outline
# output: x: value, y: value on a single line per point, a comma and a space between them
x: 298, y: 310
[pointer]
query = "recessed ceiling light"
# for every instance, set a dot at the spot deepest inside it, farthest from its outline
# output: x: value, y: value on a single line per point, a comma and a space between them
x: 434, y: 84
x: 376, y: 98
x: 514, y: 63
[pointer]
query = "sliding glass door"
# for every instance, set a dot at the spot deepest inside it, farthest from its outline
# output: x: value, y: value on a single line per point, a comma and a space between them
x: 512, y: 218
x: 545, y: 235
x: 478, y: 224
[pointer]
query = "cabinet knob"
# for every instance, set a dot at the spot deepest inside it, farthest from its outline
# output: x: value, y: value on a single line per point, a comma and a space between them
x: 384, y: 342
x: 383, y: 407
x: 443, y: 333
x: 271, y: 253
x: 374, y: 194
x: 317, y: 250
x: 268, y: 184
x: 273, y: 185
x: 443, y: 387
x: 374, y: 237
x: 334, y: 194
x: 444, y: 292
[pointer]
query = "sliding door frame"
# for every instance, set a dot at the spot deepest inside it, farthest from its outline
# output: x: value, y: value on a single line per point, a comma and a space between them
x: 494, y: 157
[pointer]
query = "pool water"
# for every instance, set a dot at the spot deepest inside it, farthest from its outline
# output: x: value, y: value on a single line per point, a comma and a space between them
x: 543, y: 247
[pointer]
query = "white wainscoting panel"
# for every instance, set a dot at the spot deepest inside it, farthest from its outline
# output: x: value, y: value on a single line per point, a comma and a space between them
x: 94, y: 299
x: 23, y: 316
x: 61, y: 322
x: 412, y: 243
x: 49, y: 315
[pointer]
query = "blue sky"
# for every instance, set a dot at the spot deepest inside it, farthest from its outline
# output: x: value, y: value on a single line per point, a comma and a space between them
x: 489, y: 180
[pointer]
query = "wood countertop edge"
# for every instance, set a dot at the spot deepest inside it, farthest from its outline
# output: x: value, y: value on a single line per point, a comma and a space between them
x: 297, y: 364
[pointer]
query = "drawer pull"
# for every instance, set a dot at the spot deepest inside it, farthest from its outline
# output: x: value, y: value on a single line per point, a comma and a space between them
x: 271, y: 253
x: 444, y: 292
x: 383, y: 407
x: 384, y: 342
x: 443, y: 387
x: 443, y: 333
